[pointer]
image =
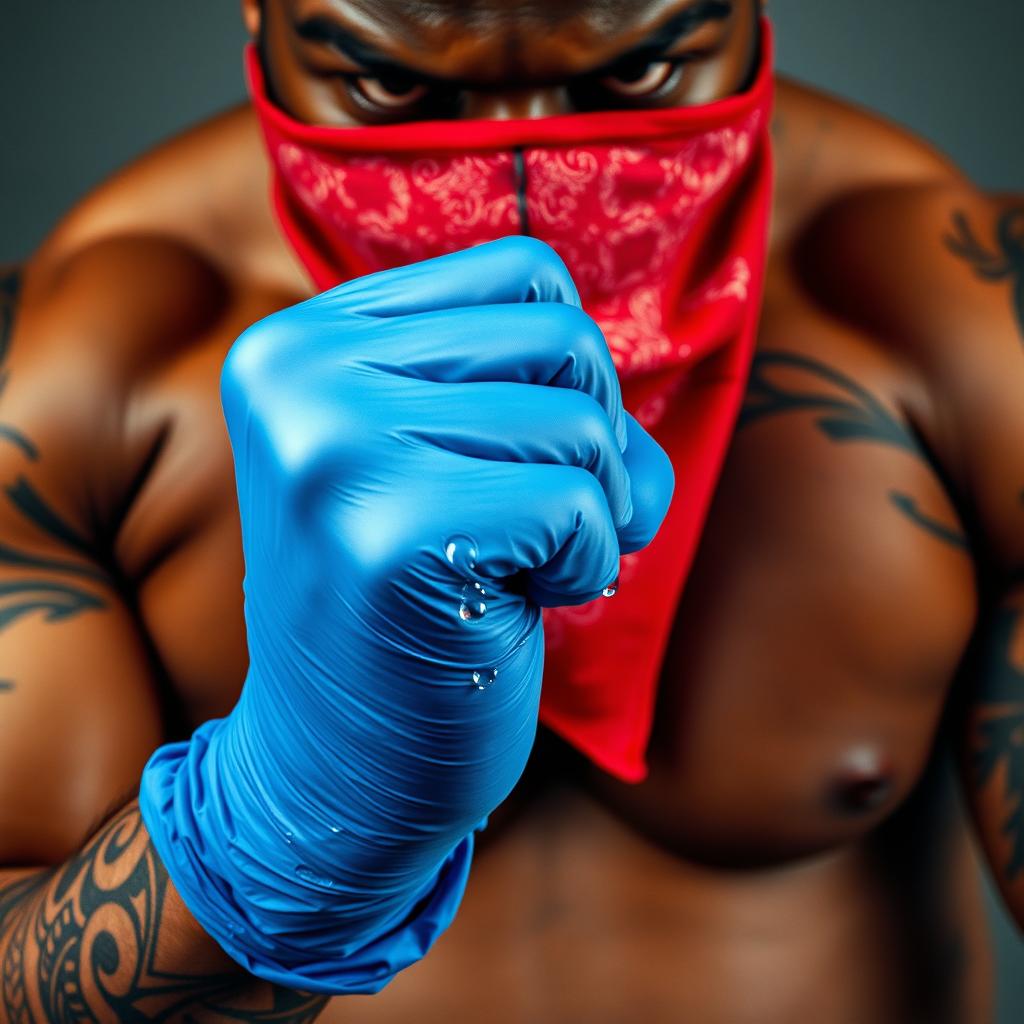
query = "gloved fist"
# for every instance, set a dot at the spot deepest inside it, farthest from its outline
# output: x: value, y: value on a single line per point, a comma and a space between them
x: 424, y: 457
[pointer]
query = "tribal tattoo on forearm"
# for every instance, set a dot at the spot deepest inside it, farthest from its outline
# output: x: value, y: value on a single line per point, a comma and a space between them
x: 1003, y: 263
x: 86, y: 943
x: 36, y: 589
x: 845, y: 411
x: 998, y: 736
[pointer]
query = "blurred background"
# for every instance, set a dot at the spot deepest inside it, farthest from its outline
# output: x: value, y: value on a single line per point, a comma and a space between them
x: 87, y: 86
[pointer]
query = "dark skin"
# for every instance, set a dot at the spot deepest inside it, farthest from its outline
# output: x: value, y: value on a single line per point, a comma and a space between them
x: 856, y: 607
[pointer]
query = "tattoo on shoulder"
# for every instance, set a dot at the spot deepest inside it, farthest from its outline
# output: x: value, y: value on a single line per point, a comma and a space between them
x: 844, y: 411
x: 1004, y: 261
x: 998, y: 742
x: 96, y: 926
x: 35, y: 589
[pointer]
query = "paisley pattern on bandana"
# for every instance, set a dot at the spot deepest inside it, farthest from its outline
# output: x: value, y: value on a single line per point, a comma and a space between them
x: 616, y: 214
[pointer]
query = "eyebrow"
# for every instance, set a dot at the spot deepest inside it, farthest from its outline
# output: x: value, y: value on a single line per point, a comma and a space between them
x: 681, y: 24
x: 321, y: 29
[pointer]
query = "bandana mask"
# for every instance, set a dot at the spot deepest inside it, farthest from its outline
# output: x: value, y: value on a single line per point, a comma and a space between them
x: 661, y: 217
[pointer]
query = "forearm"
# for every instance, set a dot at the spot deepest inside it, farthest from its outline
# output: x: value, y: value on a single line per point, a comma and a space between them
x: 105, y: 937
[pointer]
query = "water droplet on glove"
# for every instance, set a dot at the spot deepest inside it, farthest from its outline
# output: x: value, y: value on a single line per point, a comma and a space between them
x: 462, y: 552
x: 484, y: 677
x: 309, y: 875
x: 472, y: 606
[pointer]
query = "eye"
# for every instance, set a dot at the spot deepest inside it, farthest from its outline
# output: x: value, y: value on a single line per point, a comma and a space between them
x: 390, y: 91
x: 641, y: 78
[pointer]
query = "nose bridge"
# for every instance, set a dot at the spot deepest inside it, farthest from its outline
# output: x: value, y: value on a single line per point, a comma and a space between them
x: 508, y: 104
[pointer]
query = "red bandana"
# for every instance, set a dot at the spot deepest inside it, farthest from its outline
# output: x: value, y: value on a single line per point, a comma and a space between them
x: 661, y: 217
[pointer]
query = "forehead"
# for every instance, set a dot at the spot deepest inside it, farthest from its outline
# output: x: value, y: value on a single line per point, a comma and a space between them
x: 495, y: 14
x: 533, y: 36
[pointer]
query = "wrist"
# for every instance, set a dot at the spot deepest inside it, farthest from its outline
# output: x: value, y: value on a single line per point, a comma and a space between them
x: 325, y: 913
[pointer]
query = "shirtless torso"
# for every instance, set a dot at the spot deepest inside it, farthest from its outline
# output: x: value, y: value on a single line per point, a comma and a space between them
x: 797, y: 850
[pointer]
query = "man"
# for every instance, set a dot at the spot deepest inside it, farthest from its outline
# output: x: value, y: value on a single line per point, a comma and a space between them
x: 857, y: 581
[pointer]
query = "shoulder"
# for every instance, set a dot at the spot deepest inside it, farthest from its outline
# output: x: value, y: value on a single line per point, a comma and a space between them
x: 85, y: 337
x: 128, y: 283
x: 146, y: 265
x: 206, y: 190
x: 827, y: 149
x: 892, y: 239
x: 145, y: 261
x: 888, y: 235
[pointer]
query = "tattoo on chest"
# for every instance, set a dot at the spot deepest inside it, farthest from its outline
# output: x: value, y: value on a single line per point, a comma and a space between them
x: 86, y: 941
x: 999, y: 732
x: 35, y: 589
x: 1004, y: 262
x: 844, y: 411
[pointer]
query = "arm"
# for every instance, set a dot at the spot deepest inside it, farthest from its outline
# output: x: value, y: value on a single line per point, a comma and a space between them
x: 988, y: 244
x: 967, y: 280
x: 937, y: 272
x: 98, y: 934
x: 994, y: 762
x: 104, y: 937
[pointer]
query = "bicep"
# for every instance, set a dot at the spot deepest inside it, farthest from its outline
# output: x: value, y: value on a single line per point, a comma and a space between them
x: 980, y: 392
x: 78, y: 708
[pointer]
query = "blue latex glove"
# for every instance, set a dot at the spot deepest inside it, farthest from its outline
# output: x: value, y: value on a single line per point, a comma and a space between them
x: 423, y: 458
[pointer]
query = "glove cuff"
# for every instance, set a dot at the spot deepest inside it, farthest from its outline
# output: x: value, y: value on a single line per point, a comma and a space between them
x: 249, y: 888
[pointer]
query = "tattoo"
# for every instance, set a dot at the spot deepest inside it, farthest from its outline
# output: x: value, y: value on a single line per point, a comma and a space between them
x: 852, y: 415
x: 12, y: 895
x: 95, y: 928
x: 908, y: 506
x: 1000, y: 734
x: 12, y: 979
x: 1005, y: 262
x: 57, y: 600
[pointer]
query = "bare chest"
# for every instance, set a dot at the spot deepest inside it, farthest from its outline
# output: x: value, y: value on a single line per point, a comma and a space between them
x: 827, y: 610
x: 828, y: 605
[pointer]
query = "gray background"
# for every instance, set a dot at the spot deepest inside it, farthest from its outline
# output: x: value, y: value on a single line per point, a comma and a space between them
x: 87, y: 84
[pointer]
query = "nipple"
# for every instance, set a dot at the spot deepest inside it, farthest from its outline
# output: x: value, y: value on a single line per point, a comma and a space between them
x: 864, y: 782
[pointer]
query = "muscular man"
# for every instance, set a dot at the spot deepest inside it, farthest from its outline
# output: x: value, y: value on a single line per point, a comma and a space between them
x: 856, y: 598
